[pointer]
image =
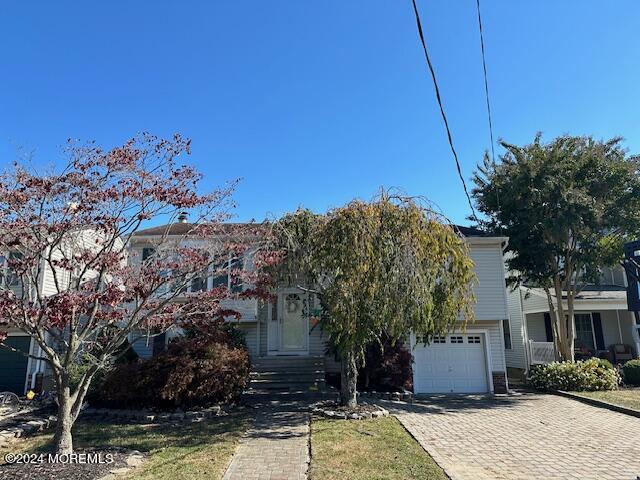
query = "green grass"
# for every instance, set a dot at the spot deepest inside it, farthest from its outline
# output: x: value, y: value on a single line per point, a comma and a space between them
x: 368, y: 449
x: 175, y: 451
x: 628, y: 397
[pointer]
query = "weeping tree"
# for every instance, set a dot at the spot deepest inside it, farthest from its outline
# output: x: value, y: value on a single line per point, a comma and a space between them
x: 381, y: 269
x: 566, y: 206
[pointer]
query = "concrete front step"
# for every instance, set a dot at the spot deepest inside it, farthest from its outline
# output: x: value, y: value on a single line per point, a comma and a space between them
x: 287, y: 372
x: 257, y: 385
x: 288, y: 378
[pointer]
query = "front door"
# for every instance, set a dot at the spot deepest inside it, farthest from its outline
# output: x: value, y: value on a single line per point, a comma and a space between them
x: 294, y: 327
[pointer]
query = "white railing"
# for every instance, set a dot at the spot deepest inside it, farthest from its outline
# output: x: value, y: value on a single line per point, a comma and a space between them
x: 541, y: 352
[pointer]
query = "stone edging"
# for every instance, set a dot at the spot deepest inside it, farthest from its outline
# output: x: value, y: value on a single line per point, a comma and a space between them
x: 146, y: 416
x: 23, y: 429
x: 328, y: 412
x: 395, y: 396
x: 599, y: 403
x: 134, y: 459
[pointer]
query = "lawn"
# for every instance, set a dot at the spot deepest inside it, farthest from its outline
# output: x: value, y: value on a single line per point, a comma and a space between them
x: 627, y: 397
x: 368, y: 449
x: 175, y: 451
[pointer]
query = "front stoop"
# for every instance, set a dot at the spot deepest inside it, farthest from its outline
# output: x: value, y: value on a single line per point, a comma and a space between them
x: 289, y: 373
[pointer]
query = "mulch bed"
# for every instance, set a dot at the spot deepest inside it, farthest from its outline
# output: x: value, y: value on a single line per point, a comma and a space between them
x: 66, y: 471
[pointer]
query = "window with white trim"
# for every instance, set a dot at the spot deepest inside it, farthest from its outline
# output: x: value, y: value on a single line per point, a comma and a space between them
x: 457, y: 339
x: 473, y: 339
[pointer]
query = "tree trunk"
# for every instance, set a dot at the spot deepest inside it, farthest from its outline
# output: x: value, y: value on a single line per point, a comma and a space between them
x: 565, y: 344
x: 348, y: 380
x: 63, y: 441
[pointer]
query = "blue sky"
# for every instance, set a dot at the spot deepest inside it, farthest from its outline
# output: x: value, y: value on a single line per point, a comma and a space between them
x: 316, y: 102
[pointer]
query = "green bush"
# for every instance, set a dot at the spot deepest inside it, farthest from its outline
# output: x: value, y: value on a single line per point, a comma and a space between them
x: 588, y: 375
x: 196, y: 370
x: 631, y: 372
x: 604, y: 363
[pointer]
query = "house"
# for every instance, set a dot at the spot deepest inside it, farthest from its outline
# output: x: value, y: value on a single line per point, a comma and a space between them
x: 288, y: 349
x: 603, y: 325
x: 471, y: 359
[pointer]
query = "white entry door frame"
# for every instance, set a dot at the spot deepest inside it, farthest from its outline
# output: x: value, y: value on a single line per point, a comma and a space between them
x: 288, y: 334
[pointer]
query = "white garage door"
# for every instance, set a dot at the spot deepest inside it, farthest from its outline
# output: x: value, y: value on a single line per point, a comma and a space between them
x: 451, y: 364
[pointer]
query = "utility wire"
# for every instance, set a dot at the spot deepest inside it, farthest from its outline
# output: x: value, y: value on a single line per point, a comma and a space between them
x: 486, y: 91
x: 486, y: 83
x: 444, y: 116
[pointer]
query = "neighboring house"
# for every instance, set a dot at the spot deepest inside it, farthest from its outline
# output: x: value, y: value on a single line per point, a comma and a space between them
x: 603, y: 325
x: 18, y: 372
x: 288, y: 348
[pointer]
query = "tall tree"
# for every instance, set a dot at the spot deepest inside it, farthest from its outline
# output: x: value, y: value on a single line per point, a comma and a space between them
x: 388, y: 266
x: 566, y: 207
x: 74, y: 225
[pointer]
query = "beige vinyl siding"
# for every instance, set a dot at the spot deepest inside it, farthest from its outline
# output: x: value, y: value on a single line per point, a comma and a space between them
x: 490, y: 290
x: 516, y: 357
x: 532, y: 302
x: 535, y: 327
x: 496, y: 344
x: 142, y: 345
x: 251, y: 336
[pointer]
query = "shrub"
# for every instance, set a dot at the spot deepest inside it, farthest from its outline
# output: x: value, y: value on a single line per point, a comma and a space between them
x: 604, y: 363
x: 387, y: 367
x: 587, y: 375
x: 196, y: 370
x: 123, y: 354
x: 631, y: 372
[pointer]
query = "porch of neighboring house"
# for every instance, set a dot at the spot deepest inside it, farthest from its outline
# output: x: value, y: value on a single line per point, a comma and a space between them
x: 609, y: 334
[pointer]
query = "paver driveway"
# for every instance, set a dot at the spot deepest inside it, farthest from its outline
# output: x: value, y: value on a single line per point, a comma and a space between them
x: 524, y: 436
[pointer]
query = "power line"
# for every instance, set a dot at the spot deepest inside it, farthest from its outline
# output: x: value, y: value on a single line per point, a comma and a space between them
x: 486, y: 83
x: 444, y: 116
x: 486, y: 92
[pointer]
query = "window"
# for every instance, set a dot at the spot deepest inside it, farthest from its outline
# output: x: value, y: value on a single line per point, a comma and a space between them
x: 7, y: 277
x: 439, y: 339
x: 584, y: 331
x: 457, y: 339
x: 147, y: 252
x: 473, y: 339
x: 198, y: 284
x: 222, y: 277
x: 506, y: 331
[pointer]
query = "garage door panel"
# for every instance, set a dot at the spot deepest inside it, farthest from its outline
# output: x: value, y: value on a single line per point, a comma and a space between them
x: 456, y: 364
x: 13, y: 365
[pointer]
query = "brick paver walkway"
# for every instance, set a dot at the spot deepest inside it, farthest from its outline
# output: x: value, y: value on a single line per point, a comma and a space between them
x: 275, y: 448
x: 526, y: 436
